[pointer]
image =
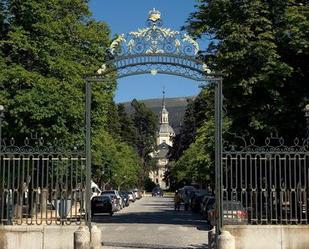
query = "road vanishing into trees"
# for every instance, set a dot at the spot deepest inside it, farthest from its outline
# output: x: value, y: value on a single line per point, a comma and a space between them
x: 152, y: 223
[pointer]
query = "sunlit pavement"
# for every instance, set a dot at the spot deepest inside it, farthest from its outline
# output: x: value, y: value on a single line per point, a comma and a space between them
x: 151, y: 223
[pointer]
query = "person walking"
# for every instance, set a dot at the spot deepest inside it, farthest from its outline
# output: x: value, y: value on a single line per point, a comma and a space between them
x: 177, y: 200
x: 186, y: 200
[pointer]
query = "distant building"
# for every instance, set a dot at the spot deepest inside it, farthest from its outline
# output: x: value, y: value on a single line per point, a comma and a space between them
x: 164, y: 141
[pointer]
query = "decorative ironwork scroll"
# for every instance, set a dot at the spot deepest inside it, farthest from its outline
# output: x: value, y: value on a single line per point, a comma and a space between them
x: 10, y: 146
x: 155, y: 49
x: 271, y: 144
x: 154, y: 39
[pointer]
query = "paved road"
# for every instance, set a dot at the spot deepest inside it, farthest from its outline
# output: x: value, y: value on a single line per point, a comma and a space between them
x: 151, y: 223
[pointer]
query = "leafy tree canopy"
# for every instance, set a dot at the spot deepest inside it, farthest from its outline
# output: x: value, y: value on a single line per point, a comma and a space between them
x: 262, y: 47
x: 47, y: 49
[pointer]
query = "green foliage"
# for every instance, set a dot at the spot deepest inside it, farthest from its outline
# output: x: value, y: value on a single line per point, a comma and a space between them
x: 194, y: 161
x: 127, y: 128
x: 197, y: 111
x: 262, y: 47
x: 48, y: 49
x: 149, y: 184
x: 115, y: 162
x: 145, y: 123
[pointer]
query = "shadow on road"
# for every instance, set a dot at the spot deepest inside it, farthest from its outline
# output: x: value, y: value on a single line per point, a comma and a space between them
x: 162, y: 216
x: 149, y: 246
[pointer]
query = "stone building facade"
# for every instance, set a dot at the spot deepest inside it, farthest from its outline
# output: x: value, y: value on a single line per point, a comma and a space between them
x: 164, y: 141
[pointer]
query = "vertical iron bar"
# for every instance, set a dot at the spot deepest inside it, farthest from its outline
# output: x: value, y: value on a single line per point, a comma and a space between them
x: 1, y: 166
x: 88, y: 153
x: 307, y: 120
x: 1, y: 118
x: 218, y: 154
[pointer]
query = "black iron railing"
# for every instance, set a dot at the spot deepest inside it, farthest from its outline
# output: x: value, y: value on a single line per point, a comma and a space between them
x: 41, y: 184
x: 266, y: 184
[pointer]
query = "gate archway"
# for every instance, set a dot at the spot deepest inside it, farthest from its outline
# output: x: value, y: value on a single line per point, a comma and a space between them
x: 157, y: 50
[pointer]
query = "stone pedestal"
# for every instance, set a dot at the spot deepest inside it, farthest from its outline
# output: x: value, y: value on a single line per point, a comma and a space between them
x: 82, y: 238
x: 226, y: 241
x: 96, y: 238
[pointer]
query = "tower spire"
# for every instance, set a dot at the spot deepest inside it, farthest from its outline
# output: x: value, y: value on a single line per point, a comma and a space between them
x: 163, y: 100
x: 164, y: 112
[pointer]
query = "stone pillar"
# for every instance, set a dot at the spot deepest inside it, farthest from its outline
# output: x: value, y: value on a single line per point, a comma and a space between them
x: 226, y: 241
x: 82, y: 238
x: 96, y: 240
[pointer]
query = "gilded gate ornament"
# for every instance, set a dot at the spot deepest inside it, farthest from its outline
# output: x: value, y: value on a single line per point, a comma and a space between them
x: 154, y: 39
x: 155, y: 49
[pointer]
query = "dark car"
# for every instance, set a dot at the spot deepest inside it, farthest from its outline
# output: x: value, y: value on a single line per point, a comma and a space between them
x: 233, y: 213
x: 125, y: 198
x: 157, y: 191
x: 196, y: 201
x: 207, y: 204
x: 101, y: 204
x: 115, y: 197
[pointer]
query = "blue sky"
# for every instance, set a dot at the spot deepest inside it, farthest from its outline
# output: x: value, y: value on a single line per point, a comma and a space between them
x: 124, y: 16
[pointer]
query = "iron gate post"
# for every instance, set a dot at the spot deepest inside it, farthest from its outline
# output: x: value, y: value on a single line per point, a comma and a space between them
x: 1, y: 118
x: 88, y: 153
x: 307, y: 119
x: 218, y: 155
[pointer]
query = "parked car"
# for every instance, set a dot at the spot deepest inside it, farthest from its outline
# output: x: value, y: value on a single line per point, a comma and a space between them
x: 125, y: 198
x: 116, y: 198
x: 233, y: 213
x: 131, y: 195
x: 137, y: 192
x: 102, y: 204
x: 186, y: 190
x: 207, y: 203
x: 197, y: 199
x: 157, y: 191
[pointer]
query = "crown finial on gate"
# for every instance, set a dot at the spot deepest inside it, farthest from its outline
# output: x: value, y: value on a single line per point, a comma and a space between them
x: 154, y: 15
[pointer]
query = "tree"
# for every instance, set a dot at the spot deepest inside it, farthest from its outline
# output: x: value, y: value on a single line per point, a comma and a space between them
x: 49, y: 48
x: 193, y: 159
x: 127, y: 128
x: 145, y: 122
x: 261, y: 46
x: 116, y: 164
x: 3, y: 18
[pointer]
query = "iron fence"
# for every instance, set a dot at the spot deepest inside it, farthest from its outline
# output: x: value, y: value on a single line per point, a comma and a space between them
x: 266, y: 184
x: 41, y: 185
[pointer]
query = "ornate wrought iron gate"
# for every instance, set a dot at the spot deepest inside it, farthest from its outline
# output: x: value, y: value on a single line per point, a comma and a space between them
x: 266, y: 184
x: 156, y: 50
x: 41, y: 184
x: 49, y: 185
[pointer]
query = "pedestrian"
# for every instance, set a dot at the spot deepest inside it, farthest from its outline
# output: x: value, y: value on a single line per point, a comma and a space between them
x: 186, y: 200
x: 177, y: 200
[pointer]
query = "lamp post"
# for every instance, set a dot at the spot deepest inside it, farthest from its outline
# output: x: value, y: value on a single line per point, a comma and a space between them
x: 1, y: 118
x: 307, y: 119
